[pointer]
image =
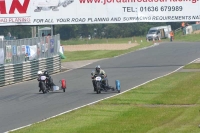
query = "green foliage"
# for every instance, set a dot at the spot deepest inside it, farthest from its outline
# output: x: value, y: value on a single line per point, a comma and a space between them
x: 108, y: 30
x: 70, y: 31
x: 18, y: 31
x: 187, y: 38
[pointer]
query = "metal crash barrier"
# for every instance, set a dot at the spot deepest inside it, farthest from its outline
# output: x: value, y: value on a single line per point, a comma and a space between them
x: 21, y: 59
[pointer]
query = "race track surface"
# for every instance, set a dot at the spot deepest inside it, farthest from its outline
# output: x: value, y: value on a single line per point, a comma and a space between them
x: 21, y: 104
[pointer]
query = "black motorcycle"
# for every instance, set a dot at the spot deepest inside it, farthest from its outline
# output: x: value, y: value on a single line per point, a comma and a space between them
x: 49, y: 84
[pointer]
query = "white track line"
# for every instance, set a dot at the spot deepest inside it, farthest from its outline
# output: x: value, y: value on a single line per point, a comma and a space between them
x: 100, y: 99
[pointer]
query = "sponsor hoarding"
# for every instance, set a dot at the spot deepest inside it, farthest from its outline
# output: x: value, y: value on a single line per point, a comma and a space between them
x: 50, y: 12
x: 14, y: 50
x: 1, y: 56
x: 33, y: 52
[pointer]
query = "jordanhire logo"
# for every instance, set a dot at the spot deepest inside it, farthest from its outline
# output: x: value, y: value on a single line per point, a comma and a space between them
x: 47, y: 5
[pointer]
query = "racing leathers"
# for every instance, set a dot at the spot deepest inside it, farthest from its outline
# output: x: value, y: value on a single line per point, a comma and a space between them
x: 39, y: 80
x: 50, y: 83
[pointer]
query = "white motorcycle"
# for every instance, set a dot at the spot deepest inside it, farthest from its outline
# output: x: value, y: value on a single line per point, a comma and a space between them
x: 100, y: 84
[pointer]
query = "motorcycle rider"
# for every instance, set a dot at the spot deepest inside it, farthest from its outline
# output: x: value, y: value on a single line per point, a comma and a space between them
x: 99, y: 71
x: 49, y: 79
x: 39, y: 73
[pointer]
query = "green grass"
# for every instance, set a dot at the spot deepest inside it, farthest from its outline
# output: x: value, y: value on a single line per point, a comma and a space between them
x: 192, y: 66
x: 99, y: 54
x: 166, y: 105
x: 187, y: 38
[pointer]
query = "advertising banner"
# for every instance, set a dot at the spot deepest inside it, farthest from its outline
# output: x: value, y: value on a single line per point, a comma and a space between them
x: 52, y: 45
x: 38, y: 49
x: 49, y: 12
x: 14, y: 50
x: 33, y: 52
x: 23, y: 49
x: 61, y: 50
x: 1, y: 56
x: 8, y: 52
x: 18, y: 50
x: 28, y: 50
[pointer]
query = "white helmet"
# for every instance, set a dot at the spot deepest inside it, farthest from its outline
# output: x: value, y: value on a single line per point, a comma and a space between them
x: 39, y: 72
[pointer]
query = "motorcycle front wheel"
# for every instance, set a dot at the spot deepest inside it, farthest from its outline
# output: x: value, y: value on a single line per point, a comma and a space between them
x: 98, y: 87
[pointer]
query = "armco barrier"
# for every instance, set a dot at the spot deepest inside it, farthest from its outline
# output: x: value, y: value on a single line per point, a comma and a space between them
x: 13, y: 73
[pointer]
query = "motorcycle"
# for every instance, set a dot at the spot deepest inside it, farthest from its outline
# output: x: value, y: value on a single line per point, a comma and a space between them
x: 49, y: 84
x: 42, y: 84
x: 101, y: 84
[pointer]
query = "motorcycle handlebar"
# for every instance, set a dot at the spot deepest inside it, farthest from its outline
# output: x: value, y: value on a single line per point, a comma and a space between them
x: 103, y: 76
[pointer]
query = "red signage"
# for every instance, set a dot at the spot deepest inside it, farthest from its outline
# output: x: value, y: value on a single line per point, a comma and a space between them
x: 22, y: 8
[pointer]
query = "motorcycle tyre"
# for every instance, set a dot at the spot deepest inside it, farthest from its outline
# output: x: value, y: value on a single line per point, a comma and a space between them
x: 98, y: 91
x: 98, y: 88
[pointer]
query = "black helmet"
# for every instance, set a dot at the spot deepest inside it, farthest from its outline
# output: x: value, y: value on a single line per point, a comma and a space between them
x: 98, y: 68
x: 46, y: 73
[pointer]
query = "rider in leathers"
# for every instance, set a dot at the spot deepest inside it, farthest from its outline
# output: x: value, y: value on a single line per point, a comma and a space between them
x: 98, y: 71
x: 40, y: 73
x: 49, y: 79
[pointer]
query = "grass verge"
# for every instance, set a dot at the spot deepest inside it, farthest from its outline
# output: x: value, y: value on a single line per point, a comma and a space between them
x: 187, y: 38
x: 99, y: 54
x: 169, y: 104
x: 192, y: 66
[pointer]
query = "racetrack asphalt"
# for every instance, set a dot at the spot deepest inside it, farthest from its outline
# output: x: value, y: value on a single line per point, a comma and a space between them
x: 21, y: 104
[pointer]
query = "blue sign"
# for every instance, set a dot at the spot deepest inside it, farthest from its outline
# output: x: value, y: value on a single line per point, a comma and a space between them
x: 27, y: 50
x: 14, y: 50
